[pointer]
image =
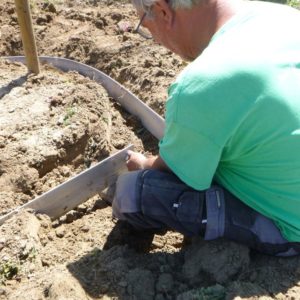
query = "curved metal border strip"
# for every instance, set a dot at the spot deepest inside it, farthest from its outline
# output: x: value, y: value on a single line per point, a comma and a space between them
x: 153, y: 122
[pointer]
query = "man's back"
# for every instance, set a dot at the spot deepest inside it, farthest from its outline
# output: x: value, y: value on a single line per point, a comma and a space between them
x: 240, y: 99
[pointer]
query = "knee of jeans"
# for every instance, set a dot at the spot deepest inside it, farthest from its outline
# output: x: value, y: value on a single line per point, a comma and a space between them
x: 125, y: 198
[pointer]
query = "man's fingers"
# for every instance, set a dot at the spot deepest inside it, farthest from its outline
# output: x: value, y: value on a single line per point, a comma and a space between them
x: 128, y: 155
x: 129, y: 152
x: 135, y: 160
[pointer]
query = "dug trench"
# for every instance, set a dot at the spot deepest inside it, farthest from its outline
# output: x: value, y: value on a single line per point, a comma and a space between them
x: 53, y: 126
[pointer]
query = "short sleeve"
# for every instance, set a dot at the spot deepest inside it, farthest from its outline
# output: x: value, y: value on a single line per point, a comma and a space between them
x: 191, y: 156
x: 204, y: 110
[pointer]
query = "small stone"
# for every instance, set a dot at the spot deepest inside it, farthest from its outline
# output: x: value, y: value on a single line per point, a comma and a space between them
x: 85, y: 228
x: 116, y: 17
x: 60, y: 231
x: 148, y: 63
x: 157, y: 244
x: 159, y: 72
x: 10, y: 10
x: 50, y: 236
x: 22, y: 149
x: 65, y: 171
x: 119, y: 143
x: 124, y: 26
x: 50, y: 7
x: 55, y: 223
x: 99, y: 24
x: 43, y: 240
x: 171, y: 74
x: 2, y: 292
x: 42, y: 20
x: 45, y: 262
x: 70, y: 217
x: 125, y: 37
x: 63, y: 219
x: 60, y: 121
x: 93, y: 118
x: 81, y: 208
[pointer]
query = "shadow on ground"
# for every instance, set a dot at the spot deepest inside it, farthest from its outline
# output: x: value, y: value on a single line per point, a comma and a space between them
x: 128, y: 267
x: 11, y: 85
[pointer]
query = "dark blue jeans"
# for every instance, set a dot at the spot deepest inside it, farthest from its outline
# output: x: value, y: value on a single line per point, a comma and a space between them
x: 151, y: 199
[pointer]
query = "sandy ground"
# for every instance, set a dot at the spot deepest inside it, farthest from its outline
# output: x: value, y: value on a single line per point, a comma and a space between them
x: 53, y: 126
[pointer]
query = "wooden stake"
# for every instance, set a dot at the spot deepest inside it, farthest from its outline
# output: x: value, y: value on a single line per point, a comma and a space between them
x: 27, y: 34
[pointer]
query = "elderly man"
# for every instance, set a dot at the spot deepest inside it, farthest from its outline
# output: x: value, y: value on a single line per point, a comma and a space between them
x: 229, y: 161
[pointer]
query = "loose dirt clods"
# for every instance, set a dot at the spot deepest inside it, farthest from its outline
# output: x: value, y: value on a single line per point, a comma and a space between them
x: 54, y: 125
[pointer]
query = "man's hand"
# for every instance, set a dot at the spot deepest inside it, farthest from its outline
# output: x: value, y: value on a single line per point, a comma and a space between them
x: 137, y: 161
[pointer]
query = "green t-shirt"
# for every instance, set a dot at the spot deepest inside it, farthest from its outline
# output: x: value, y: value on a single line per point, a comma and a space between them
x: 233, y: 115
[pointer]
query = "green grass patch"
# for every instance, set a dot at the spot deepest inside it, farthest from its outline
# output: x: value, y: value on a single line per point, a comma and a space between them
x: 8, y: 271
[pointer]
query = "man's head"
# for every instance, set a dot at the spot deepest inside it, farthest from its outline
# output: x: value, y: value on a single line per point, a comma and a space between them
x: 183, y: 26
x: 146, y: 5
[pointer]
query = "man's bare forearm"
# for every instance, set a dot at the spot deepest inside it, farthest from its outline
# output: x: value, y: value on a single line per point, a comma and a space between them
x: 157, y: 163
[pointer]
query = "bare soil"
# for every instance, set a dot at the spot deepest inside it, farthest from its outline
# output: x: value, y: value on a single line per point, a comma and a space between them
x: 53, y: 126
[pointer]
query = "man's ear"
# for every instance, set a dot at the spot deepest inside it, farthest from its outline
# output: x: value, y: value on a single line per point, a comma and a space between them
x: 164, y: 12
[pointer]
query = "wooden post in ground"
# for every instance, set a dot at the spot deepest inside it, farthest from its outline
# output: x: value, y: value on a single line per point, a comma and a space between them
x: 27, y: 34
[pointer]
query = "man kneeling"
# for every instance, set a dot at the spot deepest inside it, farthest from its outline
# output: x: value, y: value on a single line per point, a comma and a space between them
x: 228, y: 163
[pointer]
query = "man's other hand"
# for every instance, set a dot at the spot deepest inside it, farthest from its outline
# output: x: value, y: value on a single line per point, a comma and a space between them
x: 137, y: 161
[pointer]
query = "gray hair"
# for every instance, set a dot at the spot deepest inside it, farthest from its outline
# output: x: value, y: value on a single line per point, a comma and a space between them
x: 145, y: 5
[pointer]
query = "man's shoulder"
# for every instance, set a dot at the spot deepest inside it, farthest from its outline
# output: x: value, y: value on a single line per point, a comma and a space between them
x: 209, y: 73
x: 246, y: 48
